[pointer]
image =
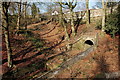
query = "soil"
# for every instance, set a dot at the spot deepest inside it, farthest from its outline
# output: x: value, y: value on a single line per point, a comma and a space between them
x: 30, y: 62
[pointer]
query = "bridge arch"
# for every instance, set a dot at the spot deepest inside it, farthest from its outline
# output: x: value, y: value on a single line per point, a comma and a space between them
x: 89, y: 42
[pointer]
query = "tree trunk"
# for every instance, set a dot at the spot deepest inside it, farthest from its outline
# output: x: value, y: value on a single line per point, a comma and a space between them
x: 60, y: 19
x: 72, y: 22
x: 60, y: 15
x: 8, y: 47
x: 37, y: 15
x: 63, y: 23
x: 87, y: 13
x: 5, y: 25
x: 111, y: 8
x: 25, y: 15
x: 19, y: 16
x: 118, y: 10
x: 66, y: 33
x: 103, y: 16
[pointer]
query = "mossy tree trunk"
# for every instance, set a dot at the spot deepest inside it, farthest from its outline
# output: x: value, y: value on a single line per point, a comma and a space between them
x: 62, y: 22
x: 71, y: 7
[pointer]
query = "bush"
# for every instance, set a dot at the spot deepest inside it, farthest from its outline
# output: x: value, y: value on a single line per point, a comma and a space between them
x: 30, y: 36
x: 12, y: 21
x: 24, y: 32
x: 38, y: 43
x: 112, y: 26
x: 35, y: 39
x: 98, y: 24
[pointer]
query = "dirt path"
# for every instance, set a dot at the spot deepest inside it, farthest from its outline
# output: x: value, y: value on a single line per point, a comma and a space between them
x: 52, y: 33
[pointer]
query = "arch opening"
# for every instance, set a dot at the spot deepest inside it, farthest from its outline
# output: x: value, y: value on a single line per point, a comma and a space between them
x: 89, y: 42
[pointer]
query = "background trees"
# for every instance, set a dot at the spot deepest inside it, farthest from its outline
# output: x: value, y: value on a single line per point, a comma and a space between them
x: 9, y: 12
x: 34, y: 10
x: 111, y: 6
x: 71, y: 5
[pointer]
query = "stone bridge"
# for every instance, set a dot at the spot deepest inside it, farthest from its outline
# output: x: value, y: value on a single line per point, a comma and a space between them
x: 85, y: 41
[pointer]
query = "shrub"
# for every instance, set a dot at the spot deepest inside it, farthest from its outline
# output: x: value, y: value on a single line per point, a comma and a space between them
x: 98, y: 24
x: 35, y: 39
x: 112, y: 26
x: 30, y: 36
x: 12, y: 21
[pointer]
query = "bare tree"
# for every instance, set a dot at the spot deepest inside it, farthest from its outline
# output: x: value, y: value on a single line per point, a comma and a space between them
x: 62, y: 22
x: 5, y: 25
x: 71, y: 5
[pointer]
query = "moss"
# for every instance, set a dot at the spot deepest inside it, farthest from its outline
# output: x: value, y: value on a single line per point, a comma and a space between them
x: 101, y: 75
x: 54, y: 63
x: 101, y: 34
x: 79, y: 45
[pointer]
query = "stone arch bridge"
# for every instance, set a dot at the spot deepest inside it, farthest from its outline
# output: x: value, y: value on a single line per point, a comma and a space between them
x: 85, y: 41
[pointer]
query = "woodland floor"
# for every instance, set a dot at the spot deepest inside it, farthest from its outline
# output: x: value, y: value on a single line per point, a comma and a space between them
x: 30, y: 62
